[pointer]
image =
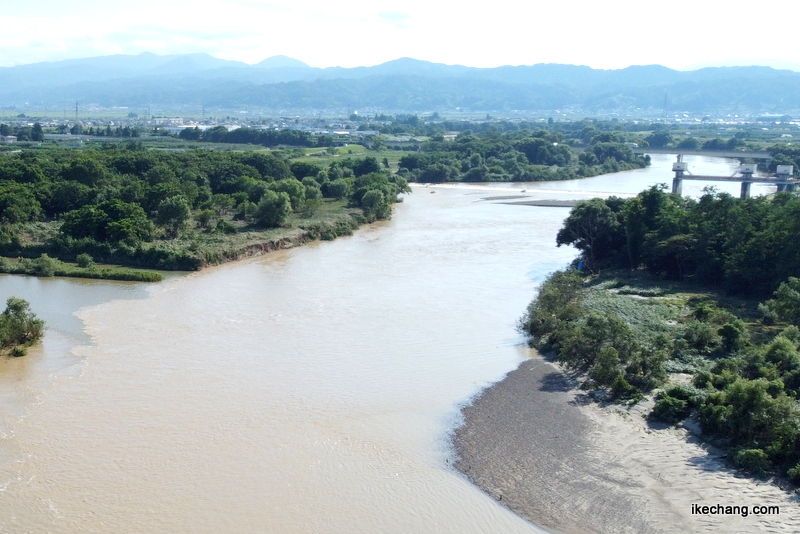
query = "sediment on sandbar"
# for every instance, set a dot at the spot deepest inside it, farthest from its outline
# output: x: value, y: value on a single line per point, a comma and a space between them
x: 544, y: 450
x: 527, y: 444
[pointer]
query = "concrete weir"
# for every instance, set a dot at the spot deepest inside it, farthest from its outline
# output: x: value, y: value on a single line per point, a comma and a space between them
x: 782, y: 178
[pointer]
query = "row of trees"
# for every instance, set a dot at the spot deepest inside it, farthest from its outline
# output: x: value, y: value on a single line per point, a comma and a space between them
x: 269, y: 138
x: 23, y: 133
x: 518, y: 156
x: 746, y: 247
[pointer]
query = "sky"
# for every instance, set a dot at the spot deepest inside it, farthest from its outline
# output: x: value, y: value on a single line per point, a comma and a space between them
x: 607, y: 35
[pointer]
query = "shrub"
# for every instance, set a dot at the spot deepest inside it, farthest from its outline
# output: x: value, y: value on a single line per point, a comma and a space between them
x: 754, y: 461
x: 18, y: 325
x: 84, y: 260
x: 273, y: 209
x: 225, y: 227
x: 794, y: 474
x: 624, y: 391
x: 45, y: 266
x: 670, y: 409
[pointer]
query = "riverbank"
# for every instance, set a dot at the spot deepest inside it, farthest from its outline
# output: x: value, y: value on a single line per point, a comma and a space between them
x: 193, y: 251
x: 535, y: 443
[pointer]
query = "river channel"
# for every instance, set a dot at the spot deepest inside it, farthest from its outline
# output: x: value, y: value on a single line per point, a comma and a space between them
x: 310, y: 390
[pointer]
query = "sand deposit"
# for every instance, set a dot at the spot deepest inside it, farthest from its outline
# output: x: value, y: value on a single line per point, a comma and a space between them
x: 539, y: 446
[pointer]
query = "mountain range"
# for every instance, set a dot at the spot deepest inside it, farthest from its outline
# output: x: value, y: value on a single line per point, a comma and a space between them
x: 280, y: 83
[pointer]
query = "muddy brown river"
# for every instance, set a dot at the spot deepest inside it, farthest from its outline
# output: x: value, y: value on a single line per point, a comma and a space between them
x: 310, y: 390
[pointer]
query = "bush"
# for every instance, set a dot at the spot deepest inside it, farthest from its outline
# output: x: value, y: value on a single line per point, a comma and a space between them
x: 225, y: 227
x: 84, y: 260
x: 45, y: 266
x: 18, y: 325
x: 624, y: 391
x: 794, y: 474
x: 754, y: 461
x: 670, y: 409
x: 273, y: 209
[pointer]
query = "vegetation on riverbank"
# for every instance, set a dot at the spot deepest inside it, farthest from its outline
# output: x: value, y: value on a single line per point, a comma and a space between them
x: 177, y: 211
x: 667, y: 322
x: 523, y: 156
x: 85, y: 267
x: 19, y: 327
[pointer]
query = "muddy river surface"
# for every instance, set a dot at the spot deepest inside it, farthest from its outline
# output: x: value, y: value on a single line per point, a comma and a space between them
x: 309, y: 390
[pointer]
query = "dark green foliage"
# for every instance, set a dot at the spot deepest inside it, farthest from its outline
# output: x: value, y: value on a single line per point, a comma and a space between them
x: 745, y: 246
x: 173, y: 214
x: 794, y: 474
x: 84, y: 261
x: 523, y: 155
x: 18, y: 203
x: 558, y: 301
x: 670, y: 410
x: 754, y: 461
x: 19, y: 327
x: 785, y: 304
x: 621, y: 390
x: 112, y: 220
x: 594, y: 228
x: 104, y: 203
x: 675, y: 404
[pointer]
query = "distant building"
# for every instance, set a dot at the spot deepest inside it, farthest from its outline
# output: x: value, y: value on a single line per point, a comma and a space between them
x: 6, y: 139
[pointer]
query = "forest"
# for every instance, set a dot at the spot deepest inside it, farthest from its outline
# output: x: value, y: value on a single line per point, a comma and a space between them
x: 175, y: 210
x: 519, y: 156
x: 670, y: 287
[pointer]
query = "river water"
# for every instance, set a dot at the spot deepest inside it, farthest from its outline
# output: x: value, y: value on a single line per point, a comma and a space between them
x: 309, y: 390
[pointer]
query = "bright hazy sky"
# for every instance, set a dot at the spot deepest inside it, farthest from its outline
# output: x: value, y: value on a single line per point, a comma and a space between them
x: 600, y: 34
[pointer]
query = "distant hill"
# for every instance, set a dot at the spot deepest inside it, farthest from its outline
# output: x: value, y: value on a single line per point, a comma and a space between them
x: 401, y: 85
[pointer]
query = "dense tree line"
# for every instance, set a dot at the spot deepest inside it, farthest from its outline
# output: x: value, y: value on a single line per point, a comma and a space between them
x: 747, y: 247
x: 126, y: 203
x: 108, y: 131
x: 517, y: 156
x: 269, y: 138
x: 23, y: 132
x: 746, y: 367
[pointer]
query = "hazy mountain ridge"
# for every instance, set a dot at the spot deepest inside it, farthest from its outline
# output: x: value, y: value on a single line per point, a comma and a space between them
x: 403, y: 84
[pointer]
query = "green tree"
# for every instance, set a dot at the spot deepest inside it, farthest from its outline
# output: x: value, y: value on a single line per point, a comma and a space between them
x: 659, y: 139
x: 273, y: 209
x: 375, y: 205
x: 37, y: 134
x: 173, y: 214
x: 19, y: 325
x: 590, y: 227
x: 294, y: 189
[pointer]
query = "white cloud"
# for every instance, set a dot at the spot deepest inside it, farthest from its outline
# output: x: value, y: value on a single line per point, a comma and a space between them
x: 362, y: 32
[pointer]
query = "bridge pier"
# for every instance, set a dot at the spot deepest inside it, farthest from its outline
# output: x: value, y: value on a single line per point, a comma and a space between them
x: 677, y: 186
x: 748, y: 170
x: 679, y: 167
x: 783, y: 178
x: 745, y: 194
